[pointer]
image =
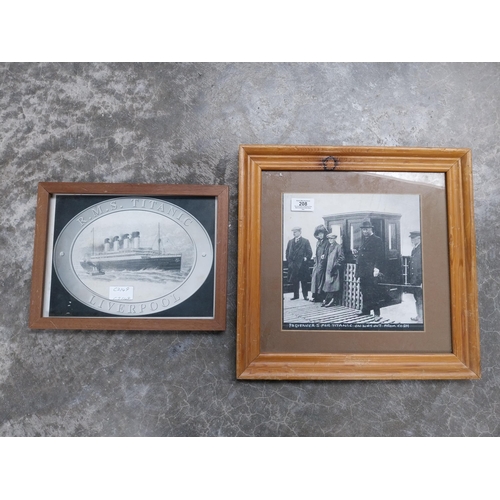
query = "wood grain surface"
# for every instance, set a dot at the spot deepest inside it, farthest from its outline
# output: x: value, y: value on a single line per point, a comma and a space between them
x: 47, y: 189
x: 464, y: 360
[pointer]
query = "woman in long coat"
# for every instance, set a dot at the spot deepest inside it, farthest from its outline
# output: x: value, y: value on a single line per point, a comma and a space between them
x: 335, y: 258
x: 318, y: 273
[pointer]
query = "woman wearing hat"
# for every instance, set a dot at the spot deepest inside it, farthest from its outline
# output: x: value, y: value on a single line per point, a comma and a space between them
x: 335, y: 257
x: 318, y: 274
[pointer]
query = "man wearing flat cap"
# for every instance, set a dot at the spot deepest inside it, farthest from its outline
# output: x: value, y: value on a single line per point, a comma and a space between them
x: 298, y: 255
x: 370, y: 258
x: 334, y: 260
x: 415, y: 275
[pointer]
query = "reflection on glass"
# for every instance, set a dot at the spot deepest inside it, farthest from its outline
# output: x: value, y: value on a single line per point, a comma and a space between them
x: 432, y: 178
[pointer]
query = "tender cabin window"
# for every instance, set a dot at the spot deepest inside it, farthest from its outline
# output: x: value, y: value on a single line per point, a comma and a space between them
x: 393, y: 244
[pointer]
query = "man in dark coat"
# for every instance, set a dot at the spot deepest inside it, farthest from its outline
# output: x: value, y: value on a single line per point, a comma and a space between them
x: 298, y: 255
x: 370, y: 257
x: 415, y: 275
x: 318, y: 274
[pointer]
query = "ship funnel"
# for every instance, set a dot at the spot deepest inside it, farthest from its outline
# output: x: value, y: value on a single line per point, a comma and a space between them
x: 116, y: 243
x: 107, y: 245
x: 126, y: 241
x: 136, y: 239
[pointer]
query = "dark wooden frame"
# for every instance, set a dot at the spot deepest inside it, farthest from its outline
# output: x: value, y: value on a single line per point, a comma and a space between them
x: 464, y: 360
x: 47, y: 189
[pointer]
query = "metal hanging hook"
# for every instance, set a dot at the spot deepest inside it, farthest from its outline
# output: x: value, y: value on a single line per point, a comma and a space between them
x: 330, y: 159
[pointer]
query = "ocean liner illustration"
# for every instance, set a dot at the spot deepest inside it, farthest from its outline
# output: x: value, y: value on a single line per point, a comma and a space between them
x: 126, y: 254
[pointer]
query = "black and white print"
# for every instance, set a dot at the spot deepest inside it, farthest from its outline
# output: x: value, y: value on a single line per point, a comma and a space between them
x: 132, y: 256
x: 352, y: 262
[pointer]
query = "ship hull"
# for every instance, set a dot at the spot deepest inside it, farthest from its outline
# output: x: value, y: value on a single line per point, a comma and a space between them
x: 171, y: 263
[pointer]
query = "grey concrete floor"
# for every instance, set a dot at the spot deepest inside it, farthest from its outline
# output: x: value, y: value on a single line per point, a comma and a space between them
x: 183, y: 123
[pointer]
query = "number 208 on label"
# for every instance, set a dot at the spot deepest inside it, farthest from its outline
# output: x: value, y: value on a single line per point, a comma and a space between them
x: 302, y: 204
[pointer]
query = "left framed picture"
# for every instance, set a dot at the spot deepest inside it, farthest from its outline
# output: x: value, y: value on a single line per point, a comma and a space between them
x: 130, y: 257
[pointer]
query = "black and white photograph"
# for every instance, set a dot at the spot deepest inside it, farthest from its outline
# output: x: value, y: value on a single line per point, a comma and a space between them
x: 352, y: 262
x: 131, y: 256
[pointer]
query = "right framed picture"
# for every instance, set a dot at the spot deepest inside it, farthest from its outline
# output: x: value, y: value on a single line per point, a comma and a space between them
x: 356, y: 263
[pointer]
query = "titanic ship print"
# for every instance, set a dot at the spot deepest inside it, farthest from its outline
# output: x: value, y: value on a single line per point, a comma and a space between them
x: 125, y: 253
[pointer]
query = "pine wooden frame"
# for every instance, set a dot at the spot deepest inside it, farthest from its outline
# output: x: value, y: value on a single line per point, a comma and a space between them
x: 47, y: 189
x: 464, y: 360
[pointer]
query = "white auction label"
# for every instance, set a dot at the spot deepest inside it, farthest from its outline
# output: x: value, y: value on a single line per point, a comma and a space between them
x: 302, y: 205
x: 121, y: 293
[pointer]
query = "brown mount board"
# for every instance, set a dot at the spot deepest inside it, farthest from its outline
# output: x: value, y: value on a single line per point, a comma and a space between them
x: 447, y: 346
x: 210, y: 235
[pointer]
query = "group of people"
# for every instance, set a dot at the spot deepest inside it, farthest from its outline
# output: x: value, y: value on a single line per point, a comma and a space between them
x: 329, y: 257
x: 325, y: 281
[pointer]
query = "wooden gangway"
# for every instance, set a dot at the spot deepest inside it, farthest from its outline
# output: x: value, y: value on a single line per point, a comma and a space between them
x: 302, y: 311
